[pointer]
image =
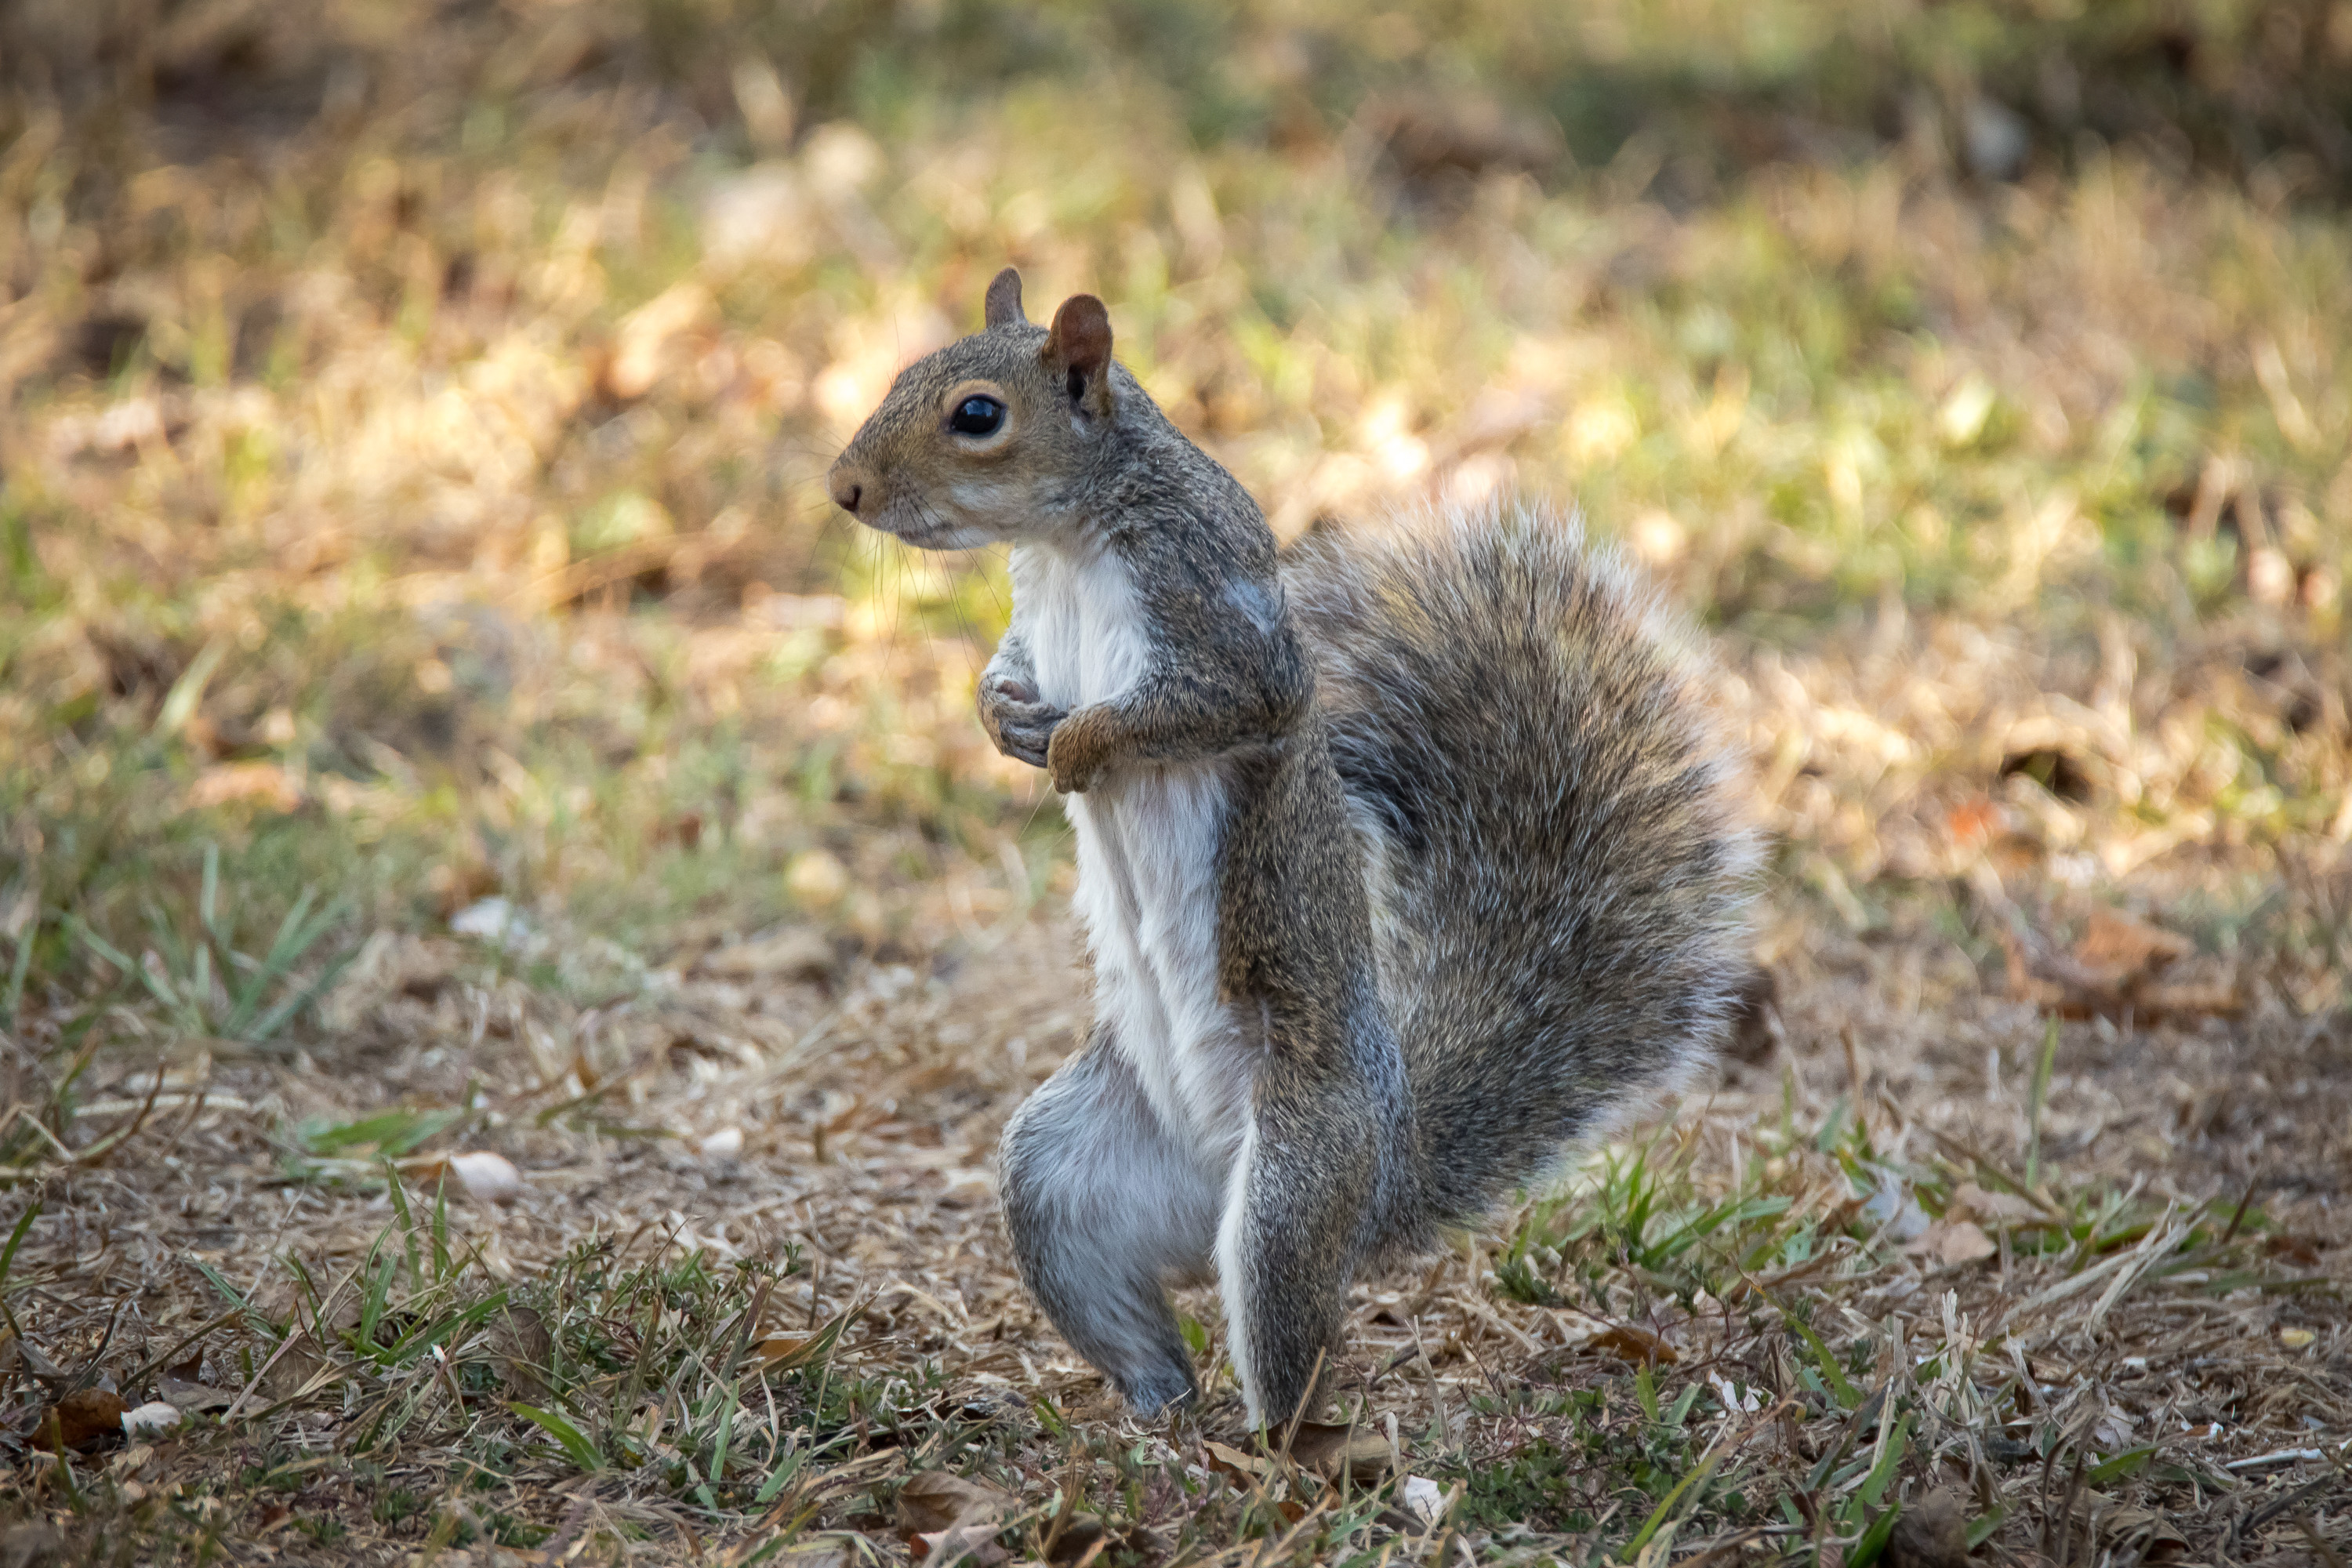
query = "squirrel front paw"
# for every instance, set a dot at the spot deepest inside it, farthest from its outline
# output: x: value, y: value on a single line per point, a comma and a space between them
x: 1073, y: 757
x: 1014, y: 718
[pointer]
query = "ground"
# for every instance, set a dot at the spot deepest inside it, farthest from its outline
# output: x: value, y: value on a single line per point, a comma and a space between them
x: 514, y: 954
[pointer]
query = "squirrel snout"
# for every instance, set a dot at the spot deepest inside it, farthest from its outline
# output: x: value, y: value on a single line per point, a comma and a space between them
x: 849, y: 489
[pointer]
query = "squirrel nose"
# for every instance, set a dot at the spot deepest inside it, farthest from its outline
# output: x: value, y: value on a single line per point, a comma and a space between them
x: 846, y: 492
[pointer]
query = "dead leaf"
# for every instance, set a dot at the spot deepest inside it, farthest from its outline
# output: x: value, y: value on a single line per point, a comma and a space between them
x: 1073, y: 1538
x: 2111, y: 971
x: 29, y: 1545
x: 1971, y: 1202
x: 522, y: 1345
x: 2297, y: 1249
x: 1626, y: 1341
x: 803, y: 953
x: 973, y: 1543
x: 290, y: 1371
x: 1327, y: 1450
x: 1972, y: 822
x: 82, y: 1420
x: 15, y: 1351
x: 2122, y: 946
x: 188, y: 1395
x: 481, y: 1175
x: 2120, y: 1521
x: 936, y: 1501
x: 1242, y: 1469
x: 643, y: 348
x: 266, y: 784
x: 1756, y: 1027
x: 716, y: 1147
x: 1933, y: 1532
x: 152, y: 1420
x: 1952, y: 1242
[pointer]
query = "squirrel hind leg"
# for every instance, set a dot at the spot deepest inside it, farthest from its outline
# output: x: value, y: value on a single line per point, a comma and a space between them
x: 1293, y: 1232
x: 1103, y: 1207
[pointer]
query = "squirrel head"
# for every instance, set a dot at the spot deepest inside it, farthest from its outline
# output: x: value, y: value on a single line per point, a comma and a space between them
x: 980, y: 442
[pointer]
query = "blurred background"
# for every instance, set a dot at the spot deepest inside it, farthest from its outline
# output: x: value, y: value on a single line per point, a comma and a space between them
x: 448, y: 742
x: 415, y: 411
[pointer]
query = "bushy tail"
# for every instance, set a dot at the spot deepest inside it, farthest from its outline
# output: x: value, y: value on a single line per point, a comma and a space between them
x: 1559, y: 873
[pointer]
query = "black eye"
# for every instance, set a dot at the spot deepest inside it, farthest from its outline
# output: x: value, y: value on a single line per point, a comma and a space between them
x: 977, y: 417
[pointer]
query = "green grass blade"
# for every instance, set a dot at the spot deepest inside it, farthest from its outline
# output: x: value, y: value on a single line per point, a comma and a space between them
x: 1867, y: 1550
x: 408, y: 1225
x: 371, y: 1305
x: 2037, y: 1097
x: 778, y: 1479
x: 1833, y: 1374
x: 236, y: 1298
x: 573, y: 1441
x: 726, y: 1430
x: 121, y: 961
x: 1882, y: 1474
x: 16, y: 1239
x: 180, y: 703
x: 1666, y: 1505
x: 442, y: 1271
x: 2130, y: 1462
x: 13, y: 998
x: 296, y: 937
x: 447, y: 1329
x: 279, y: 1016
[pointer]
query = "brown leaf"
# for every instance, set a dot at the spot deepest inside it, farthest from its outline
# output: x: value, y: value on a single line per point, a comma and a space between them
x: 185, y: 1393
x: 1756, y: 1027
x: 2127, y: 948
x: 522, y: 1345
x: 799, y: 954
x: 644, y: 349
x: 1972, y: 822
x: 15, y: 1351
x: 1626, y: 1341
x: 1933, y: 1532
x: 2189, y: 1000
x: 1327, y: 1450
x: 265, y: 783
x: 83, y: 1419
x: 1998, y: 1210
x: 29, y: 1545
x: 2110, y: 972
x: 1075, y: 1538
x: 2297, y: 1249
x: 1952, y: 1242
x: 936, y: 1499
x: 972, y: 1543
x: 1242, y: 1469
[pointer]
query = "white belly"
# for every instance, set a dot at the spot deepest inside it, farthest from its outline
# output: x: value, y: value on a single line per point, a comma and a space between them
x: 1148, y: 839
x: 1148, y: 894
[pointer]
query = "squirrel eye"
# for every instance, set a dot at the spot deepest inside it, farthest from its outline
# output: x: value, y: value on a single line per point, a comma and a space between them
x: 977, y: 417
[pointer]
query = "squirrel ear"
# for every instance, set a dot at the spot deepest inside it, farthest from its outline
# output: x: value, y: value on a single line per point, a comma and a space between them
x: 1079, y: 348
x: 1004, y: 305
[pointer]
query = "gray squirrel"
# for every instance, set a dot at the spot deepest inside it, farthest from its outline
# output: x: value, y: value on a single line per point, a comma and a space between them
x: 1406, y: 855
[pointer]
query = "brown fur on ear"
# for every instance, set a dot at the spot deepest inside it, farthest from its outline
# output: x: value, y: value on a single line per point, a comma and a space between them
x: 1079, y: 347
x: 1002, y: 308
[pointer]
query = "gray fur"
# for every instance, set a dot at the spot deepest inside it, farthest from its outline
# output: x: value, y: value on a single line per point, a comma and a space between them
x: 1405, y: 857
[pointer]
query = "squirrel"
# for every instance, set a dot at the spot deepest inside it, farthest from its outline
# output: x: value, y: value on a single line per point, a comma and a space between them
x: 1407, y: 857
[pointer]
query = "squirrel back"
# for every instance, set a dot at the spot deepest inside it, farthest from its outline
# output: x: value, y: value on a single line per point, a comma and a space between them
x: 1557, y: 872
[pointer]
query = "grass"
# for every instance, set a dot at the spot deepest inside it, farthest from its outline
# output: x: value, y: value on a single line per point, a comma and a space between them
x: 513, y: 953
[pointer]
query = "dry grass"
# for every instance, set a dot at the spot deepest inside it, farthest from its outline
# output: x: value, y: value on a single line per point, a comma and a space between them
x: 408, y: 492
